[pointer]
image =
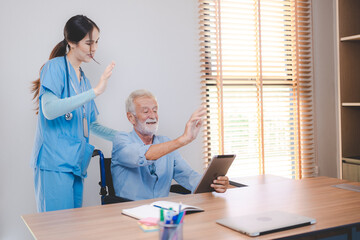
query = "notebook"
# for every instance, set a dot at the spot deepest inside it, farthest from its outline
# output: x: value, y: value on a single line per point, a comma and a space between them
x: 219, y: 166
x: 153, y: 209
x: 267, y: 222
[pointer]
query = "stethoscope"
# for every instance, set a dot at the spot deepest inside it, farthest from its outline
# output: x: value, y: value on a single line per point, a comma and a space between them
x: 68, y: 116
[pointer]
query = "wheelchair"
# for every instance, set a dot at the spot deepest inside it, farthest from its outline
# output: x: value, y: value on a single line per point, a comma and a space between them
x: 107, y: 191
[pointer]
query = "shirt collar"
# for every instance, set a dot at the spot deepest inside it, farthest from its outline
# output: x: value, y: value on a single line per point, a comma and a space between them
x: 136, y: 136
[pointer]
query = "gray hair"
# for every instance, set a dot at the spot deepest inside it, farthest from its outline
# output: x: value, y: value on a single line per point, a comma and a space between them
x: 129, y: 104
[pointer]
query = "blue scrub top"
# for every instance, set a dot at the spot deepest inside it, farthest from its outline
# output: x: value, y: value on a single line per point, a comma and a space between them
x: 60, y: 144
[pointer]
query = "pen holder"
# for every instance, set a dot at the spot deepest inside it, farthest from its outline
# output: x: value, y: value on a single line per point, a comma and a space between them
x: 170, y: 231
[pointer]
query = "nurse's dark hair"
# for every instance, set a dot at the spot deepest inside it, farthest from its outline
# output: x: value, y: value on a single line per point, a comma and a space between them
x: 76, y: 28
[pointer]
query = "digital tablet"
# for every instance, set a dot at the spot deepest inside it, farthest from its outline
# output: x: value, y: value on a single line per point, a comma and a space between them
x: 219, y: 166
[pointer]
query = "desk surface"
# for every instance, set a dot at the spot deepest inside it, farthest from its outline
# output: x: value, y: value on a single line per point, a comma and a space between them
x: 314, y: 197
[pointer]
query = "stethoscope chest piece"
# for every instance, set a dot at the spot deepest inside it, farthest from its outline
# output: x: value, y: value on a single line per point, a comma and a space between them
x: 68, y: 116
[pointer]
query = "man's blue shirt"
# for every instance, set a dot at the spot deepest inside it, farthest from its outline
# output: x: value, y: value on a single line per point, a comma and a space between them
x: 137, y: 178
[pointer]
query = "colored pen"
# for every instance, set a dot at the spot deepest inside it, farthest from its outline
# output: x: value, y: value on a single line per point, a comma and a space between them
x: 174, y: 218
x: 179, y: 217
x: 182, y: 218
x: 161, y: 215
x: 171, y: 215
x: 160, y: 207
x: 168, y: 216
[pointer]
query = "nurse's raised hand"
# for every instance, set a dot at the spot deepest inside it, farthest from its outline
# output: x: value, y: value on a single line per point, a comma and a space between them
x: 101, y: 86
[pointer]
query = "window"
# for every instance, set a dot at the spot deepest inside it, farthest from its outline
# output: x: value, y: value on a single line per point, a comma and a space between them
x: 256, y: 59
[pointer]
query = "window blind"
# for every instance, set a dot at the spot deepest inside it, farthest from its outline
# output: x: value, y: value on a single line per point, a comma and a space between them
x: 256, y: 61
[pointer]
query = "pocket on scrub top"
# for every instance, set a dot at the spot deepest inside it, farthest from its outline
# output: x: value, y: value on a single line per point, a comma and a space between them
x: 69, y: 152
x: 86, y: 157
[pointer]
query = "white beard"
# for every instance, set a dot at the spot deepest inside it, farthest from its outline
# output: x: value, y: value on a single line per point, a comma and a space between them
x: 147, y: 129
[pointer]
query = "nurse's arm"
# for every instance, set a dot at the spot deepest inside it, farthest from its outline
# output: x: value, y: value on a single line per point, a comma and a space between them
x: 101, y: 131
x: 53, y: 107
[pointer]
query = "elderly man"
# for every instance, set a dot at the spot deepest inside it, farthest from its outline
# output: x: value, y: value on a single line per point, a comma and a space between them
x: 144, y: 164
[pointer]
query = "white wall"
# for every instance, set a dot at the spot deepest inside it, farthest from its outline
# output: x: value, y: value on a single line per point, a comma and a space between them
x: 155, y: 46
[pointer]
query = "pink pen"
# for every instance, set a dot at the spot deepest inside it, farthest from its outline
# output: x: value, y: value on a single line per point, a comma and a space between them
x: 182, y: 217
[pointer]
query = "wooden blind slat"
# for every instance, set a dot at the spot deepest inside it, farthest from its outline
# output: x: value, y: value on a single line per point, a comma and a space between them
x: 256, y: 60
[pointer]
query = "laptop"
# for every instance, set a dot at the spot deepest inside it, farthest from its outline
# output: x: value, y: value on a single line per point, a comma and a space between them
x: 219, y: 166
x: 267, y: 222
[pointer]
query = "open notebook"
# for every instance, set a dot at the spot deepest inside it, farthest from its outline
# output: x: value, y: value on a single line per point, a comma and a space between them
x: 153, y: 209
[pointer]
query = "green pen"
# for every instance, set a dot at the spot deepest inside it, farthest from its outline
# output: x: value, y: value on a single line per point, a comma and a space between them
x: 161, y: 215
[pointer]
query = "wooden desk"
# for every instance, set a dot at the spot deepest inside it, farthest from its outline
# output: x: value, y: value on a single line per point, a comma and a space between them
x: 332, y: 207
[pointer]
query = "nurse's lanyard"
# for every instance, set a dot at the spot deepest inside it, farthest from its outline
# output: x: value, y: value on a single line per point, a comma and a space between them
x: 69, y: 116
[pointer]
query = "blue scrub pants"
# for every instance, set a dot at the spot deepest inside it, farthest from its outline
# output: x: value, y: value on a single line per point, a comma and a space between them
x: 57, y: 190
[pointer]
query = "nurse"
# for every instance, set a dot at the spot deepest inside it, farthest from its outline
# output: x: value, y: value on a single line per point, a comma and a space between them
x: 66, y: 114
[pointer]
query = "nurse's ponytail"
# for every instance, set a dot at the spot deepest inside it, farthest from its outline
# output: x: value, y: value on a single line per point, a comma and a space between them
x: 59, y: 50
x: 76, y: 28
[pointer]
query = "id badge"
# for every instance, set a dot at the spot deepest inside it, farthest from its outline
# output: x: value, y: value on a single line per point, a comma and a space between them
x: 86, y: 131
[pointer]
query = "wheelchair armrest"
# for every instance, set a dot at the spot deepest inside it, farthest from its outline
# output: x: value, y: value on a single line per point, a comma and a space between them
x: 177, y: 188
x: 114, y: 199
x: 96, y: 152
